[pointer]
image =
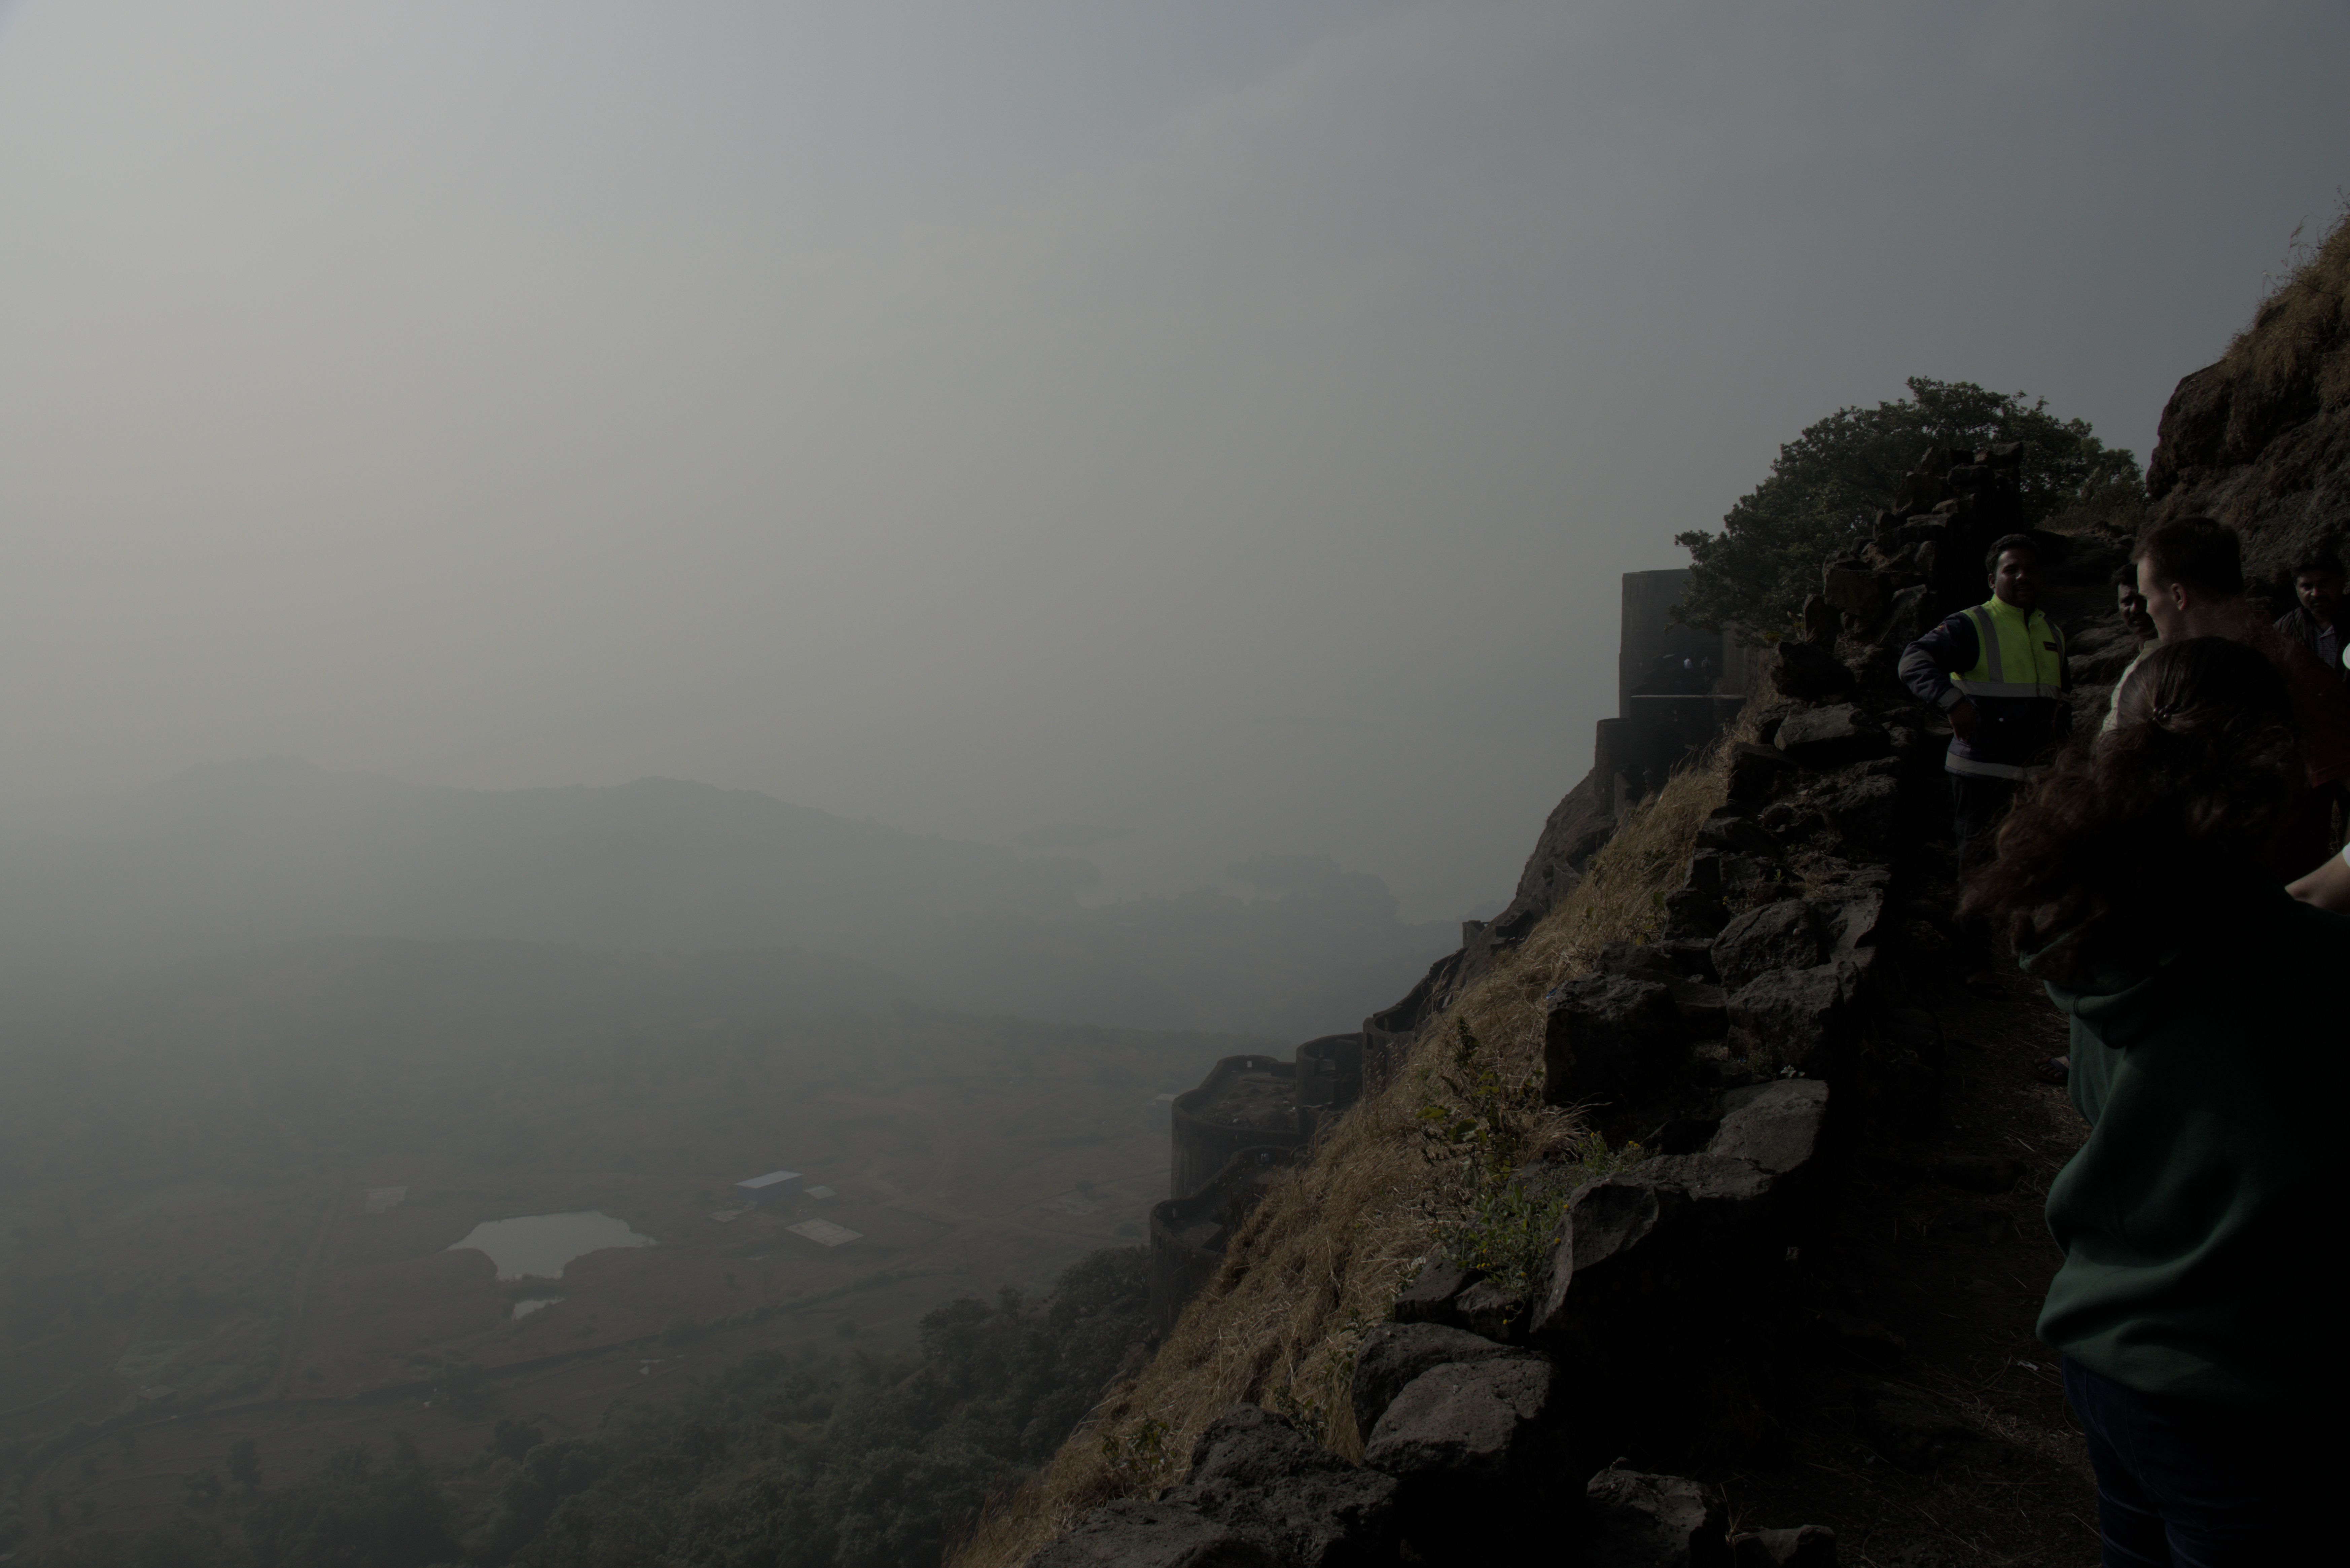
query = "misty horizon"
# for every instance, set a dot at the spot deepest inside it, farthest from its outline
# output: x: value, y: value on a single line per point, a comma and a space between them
x: 1224, y: 427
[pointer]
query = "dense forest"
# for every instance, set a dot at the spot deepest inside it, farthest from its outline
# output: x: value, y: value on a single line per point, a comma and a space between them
x: 794, y: 1460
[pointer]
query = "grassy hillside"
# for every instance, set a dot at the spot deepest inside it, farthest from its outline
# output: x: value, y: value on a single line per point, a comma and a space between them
x: 1317, y: 1264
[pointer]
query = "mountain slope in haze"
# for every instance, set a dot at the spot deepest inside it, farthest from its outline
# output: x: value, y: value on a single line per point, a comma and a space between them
x: 222, y: 857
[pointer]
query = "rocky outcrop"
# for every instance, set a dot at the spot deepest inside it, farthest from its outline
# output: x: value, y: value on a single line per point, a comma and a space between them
x: 2260, y: 440
x: 1740, y: 1042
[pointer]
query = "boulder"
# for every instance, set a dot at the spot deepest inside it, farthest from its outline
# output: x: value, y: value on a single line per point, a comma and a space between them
x: 1722, y: 1191
x: 1132, y: 1534
x: 1490, y: 1310
x: 1428, y: 1297
x: 1779, y: 935
x: 1849, y: 923
x: 1608, y: 1035
x: 1756, y: 772
x: 1776, y: 1125
x: 1804, y: 1546
x: 1640, y: 1245
x: 1750, y: 878
x: 1636, y: 1520
x: 1803, y: 1019
x: 1834, y: 736
x: 1810, y: 673
x: 1394, y: 1354
x: 1462, y: 1432
x: 1258, y: 1476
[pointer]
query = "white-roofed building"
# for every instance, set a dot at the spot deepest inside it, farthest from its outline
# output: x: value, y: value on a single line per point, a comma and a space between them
x: 760, y: 1189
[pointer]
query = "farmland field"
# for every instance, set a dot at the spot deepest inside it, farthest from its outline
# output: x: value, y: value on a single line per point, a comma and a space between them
x: 187, y: 1256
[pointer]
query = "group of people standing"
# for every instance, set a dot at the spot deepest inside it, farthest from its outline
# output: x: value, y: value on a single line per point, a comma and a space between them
x: 2169, y: 876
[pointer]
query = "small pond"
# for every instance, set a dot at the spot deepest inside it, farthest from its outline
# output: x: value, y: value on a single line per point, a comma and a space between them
x: 536, y: 1246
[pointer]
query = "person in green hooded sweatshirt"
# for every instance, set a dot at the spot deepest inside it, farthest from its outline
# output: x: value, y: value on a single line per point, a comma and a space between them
x: 2201, y: 1222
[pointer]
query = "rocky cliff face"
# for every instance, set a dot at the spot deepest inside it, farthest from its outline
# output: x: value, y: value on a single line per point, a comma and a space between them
x: 2260, y: 440
x: 1765, y: 1023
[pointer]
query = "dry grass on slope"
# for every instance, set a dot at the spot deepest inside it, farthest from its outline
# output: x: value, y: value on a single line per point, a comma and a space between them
x: 1320, y: 1261
x: 2300, y: 336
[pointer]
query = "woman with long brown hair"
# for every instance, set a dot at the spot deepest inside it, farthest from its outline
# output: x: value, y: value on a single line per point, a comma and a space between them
x: 2200, y: 1221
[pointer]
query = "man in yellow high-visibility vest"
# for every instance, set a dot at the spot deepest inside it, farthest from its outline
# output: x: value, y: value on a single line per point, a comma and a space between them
x: 1998, y: 670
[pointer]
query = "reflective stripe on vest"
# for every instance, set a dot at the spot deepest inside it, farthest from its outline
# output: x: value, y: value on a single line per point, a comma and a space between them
x: 1976, y: 767
x: 2007, y: 648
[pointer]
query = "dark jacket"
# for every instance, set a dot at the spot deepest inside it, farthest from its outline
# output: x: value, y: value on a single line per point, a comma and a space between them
x: 2198, y: 1221
x: 2302, y: 626
x: 2011, y: 732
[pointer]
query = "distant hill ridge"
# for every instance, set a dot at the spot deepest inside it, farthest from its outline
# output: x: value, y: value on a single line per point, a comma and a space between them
x: 269, y: 850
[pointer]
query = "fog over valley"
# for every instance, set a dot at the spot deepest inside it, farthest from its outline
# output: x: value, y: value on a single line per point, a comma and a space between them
x: 777, y: 781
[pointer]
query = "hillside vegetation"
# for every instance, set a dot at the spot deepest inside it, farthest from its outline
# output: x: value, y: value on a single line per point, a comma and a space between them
x: 797, y: 1459
x: 2260, y: 438
x: 1316, y: 1266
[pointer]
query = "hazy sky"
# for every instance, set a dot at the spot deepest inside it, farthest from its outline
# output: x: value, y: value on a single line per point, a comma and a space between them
x: 1222, y: 422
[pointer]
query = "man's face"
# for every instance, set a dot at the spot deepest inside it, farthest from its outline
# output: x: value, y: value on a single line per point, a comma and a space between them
x: 2166, y: 603
x: 2132, y: 606
x: 2015, y: 578
x: 2320, y: 594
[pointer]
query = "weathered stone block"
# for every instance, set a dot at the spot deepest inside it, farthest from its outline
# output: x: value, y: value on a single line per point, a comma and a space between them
x: 1394, y: 1354
x: 1637, y: 1520
x: 1429, y: 1298
x: 1834, y: 736
x: 1777, y: 1125
x: 1468, y: 1428
x: 1780, y: 935
x: 1746, y: 879
x: 1757, y: 773
x: 1131, y: 1534
x: 1849, y: 923
x: 1607, y: 1034
x: 1259, y: 1476
x: 1799, y: 1018
x: 1864, y: 813
x: 1490, y: 1310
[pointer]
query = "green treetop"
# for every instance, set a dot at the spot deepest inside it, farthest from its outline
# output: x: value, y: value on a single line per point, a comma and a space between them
x: 1826, y: 486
